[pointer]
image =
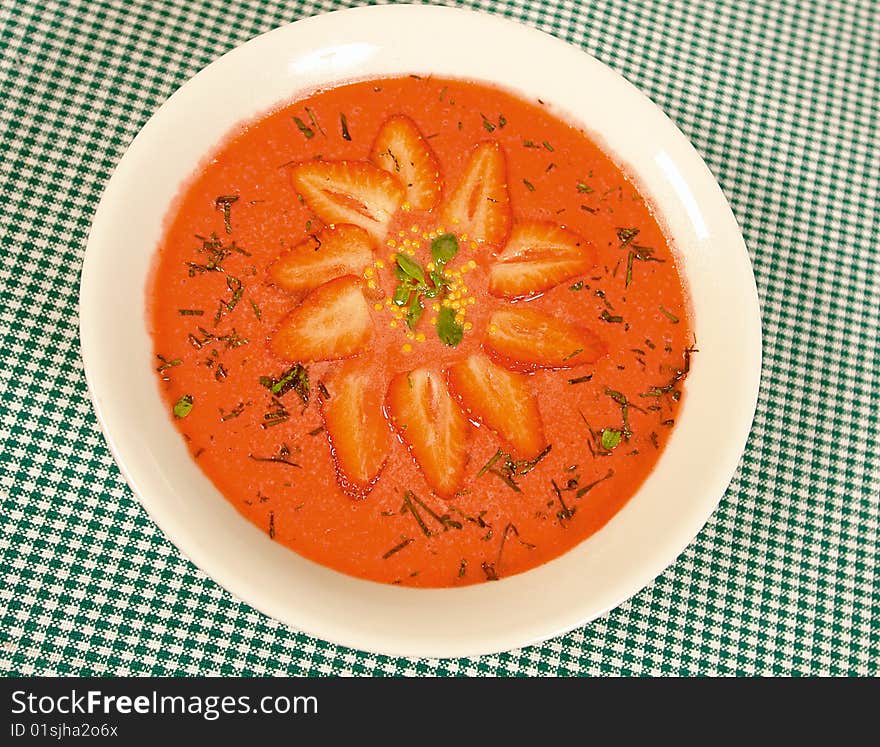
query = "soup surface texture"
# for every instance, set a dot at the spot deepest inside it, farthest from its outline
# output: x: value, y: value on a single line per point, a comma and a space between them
x: 420, y: 331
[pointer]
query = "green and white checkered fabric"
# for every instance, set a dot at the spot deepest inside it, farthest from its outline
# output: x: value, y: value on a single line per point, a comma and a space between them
x: 781, y: 99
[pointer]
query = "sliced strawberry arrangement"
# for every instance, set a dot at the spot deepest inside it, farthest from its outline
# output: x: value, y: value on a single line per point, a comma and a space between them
x: 431, y: 424
x: 332, y: 322
x: 401, y: 150
x: 537, y: 257
x: 358, y: 431
x: 335, y: 251
x: 525, y: 340
x: 353, y: 192
x: 480, y: 205
x: 501, y: 400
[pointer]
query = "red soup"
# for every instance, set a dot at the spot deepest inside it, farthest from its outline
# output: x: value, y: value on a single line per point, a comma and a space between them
x: 420, y: 331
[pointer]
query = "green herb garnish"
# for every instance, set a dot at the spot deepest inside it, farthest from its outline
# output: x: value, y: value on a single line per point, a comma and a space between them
x: 346, y: 135
x: 444, y: 248
x: 669, y: 315
x: 529, y: 185
x: 232, y: 414
x: 256, y: 309
x: 401, y: 294
x: 487, y: 124
x: 304, y: 128
x: 276, y: 460
x: 183, y: 406
x: 611, y: 319
x: 167, y: 363
x: 410, y: 269
x: 491, y: 463
x: 414, y: 312
x: 581, y: 379
x: 587, y: 488
x: 584, y: 187
x: 414, y: 286
x: 397, y: 548
x: 448, y: 329
x: 565, y: 513
x: 296, y: 378
x: 626, y: 235
x: 314, y: 120
x: 224, y: 203
x: 610, y: 438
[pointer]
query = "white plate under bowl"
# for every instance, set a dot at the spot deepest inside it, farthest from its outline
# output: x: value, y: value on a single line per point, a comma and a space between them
x: 635, y: 546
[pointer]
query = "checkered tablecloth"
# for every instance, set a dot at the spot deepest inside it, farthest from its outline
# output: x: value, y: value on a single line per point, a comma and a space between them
x: 781, y: 99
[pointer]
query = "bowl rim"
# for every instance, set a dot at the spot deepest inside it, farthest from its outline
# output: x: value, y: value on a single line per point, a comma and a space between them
x: 363, y: 614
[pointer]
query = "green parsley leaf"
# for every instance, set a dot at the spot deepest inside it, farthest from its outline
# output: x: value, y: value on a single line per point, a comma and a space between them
x: 610, y: 438
x: 444, y: 248
x: 414, y: 312
x: 410, y: 268
x: 183, y: 406
x: 402, y: 293
x: 449, y: 330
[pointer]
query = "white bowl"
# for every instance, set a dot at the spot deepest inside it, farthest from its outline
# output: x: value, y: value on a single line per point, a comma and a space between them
x: 635, y: 546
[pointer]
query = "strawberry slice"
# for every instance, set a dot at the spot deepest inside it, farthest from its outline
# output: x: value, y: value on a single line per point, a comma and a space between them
x: 524, y: 340
x: 335, y: 251
x: 480, y: 205
x: 401, y: 150
x: 358, y: 431
x: 333, y: 321
x: 537, y: 257
x: 353, y: 192
x: 501, y: 400
x: 432, y: 426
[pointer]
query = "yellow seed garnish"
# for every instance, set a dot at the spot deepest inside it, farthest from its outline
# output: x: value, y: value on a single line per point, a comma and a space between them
x: 420, y: 336
x: 391, y: 242
x: 371, y: 284
x: 433, y: 320
x: 406, y: 348
x: 377, y: 306
x: 435, y: 307
x: 468, y: 326
x: 493, y: 328
x: 369, y: 272
x: 380, y: 264
x: 472, y: 265
x: 414, y: 228
x: 406, y: 206
x: 392, y: 324
x: 401, y: 234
